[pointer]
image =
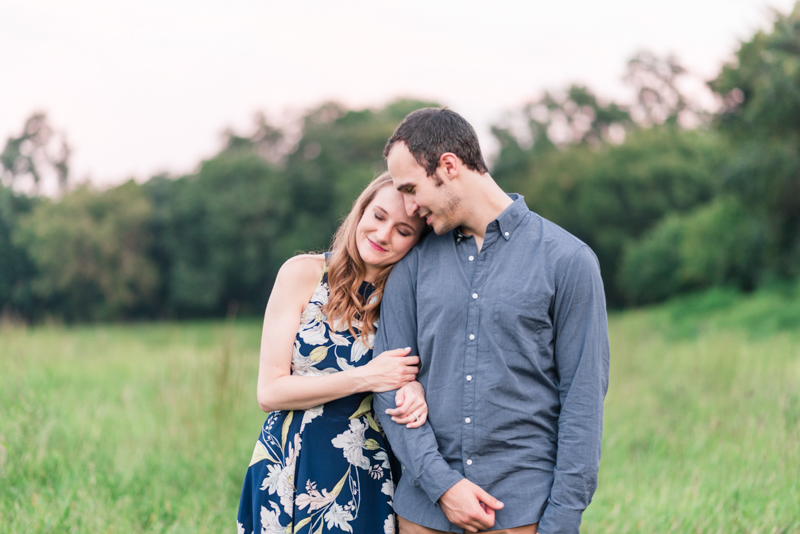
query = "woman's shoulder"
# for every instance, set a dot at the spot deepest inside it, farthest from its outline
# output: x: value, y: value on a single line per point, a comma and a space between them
x: 302, y: 271
x: 302, y: 268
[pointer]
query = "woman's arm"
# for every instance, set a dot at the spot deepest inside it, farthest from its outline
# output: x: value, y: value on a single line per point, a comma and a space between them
x: 278, y: 389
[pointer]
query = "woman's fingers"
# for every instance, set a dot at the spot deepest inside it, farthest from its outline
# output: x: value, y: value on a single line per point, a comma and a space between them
x: 418, y: 422
x: 413, y: 420
x: 395, y: 352
x: 412, y: 411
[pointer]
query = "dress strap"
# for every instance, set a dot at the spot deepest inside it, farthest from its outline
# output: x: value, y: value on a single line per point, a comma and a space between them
x: 324, y: 269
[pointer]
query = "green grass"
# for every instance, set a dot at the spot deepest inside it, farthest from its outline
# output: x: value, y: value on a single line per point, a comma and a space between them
x: 144, y: 428
x: 149, y: 427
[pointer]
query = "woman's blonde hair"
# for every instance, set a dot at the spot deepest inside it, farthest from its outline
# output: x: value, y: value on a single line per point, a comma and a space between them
x: 346, y: 270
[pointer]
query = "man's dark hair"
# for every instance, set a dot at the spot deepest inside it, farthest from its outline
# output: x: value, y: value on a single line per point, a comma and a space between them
x: 430, y: 132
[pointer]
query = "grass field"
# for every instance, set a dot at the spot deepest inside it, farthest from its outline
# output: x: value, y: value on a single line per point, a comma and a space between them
x: 149, y: 427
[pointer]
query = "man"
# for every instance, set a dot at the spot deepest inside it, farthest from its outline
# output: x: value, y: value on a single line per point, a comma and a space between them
x: 507, y: 313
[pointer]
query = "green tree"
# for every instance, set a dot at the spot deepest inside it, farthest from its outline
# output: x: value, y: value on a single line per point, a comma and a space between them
x: 716, y: 244
x: 761, y: 113
x: 16, y: 267
x: 37, y: 153
x: 611, y: 196
x: 89, y: 249
x: 218, y: 234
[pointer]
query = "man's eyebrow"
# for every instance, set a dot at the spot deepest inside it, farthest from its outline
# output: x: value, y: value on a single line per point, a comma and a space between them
x: 403, y: 186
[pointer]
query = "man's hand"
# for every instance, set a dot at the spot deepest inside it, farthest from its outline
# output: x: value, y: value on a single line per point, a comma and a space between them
x: 469, y: 507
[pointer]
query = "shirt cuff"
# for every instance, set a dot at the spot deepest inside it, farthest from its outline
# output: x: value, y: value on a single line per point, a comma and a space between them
x: 438, y: 478
x: 559, y: 520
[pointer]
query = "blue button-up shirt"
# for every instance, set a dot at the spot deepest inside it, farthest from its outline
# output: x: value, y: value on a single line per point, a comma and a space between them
x: 513, y: 343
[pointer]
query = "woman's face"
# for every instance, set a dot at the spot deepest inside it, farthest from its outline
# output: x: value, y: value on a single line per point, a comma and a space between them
x: 385, y: 232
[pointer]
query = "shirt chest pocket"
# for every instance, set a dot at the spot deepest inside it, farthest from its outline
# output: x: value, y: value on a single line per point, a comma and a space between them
x: 518, y: 321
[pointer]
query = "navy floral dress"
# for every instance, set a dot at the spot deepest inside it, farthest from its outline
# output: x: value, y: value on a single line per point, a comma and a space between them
x: 326, y: 469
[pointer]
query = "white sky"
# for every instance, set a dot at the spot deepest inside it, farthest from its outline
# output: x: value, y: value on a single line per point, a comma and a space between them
x: 147, y: 86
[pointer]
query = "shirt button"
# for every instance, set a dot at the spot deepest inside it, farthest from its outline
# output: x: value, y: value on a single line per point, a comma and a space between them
x: 506, y: 234
x: 471, y: 258
x: 474, y: 295
x: 467, y: 420
x: 469, y: 462
x: 472, y: 336
x: 469, y: 378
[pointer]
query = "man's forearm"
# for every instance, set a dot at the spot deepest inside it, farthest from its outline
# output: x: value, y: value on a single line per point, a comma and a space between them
x: 582, y: 359
x: 417, y: 450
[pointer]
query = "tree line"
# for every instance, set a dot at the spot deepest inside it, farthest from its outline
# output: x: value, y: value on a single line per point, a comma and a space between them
x: 672, y: 198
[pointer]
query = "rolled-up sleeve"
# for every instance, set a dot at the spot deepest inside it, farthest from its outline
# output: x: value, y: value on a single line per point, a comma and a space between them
x: 416, y: 448
x: 582, y: 362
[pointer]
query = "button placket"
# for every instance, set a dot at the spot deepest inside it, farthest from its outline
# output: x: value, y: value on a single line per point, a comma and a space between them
x: 475, y: 302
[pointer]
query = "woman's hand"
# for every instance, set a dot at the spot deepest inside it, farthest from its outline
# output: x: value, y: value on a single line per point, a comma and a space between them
x: 412, y: 410
x: 390, y: 370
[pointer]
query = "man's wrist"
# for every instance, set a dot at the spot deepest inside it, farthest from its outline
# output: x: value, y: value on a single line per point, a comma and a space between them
x: 437, y: 479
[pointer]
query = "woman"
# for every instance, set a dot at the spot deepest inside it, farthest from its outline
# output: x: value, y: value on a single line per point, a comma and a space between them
x: 321, y: 463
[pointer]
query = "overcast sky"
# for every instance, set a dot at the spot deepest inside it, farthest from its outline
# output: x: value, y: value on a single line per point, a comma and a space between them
x: 147, y: 86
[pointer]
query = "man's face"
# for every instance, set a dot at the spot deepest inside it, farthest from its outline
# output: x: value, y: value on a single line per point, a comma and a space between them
x: 429, y: 197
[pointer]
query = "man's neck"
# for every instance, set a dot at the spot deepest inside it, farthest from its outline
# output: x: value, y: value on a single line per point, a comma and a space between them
x: 483, y: 205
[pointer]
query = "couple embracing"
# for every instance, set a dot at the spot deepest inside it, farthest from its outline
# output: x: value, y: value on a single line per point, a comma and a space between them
x: 482, y: 409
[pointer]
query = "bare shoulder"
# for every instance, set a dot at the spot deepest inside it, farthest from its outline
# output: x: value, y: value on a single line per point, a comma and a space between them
x: 301, y: 273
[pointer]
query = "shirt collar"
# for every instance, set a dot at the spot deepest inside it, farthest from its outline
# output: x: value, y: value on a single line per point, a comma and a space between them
x: 512, y: 215
x: 507, y: 221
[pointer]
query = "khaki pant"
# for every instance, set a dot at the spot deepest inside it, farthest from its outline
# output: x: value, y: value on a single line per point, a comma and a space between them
x: 407, y: 527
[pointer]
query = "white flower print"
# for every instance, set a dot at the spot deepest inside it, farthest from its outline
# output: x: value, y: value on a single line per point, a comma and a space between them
x: 239, y: 528
x: 388, y: 489
x: 388, y: 525
x: 340, y: 325
x: 343, y: 364
x: 272, y: 479
x: 312, y: 321
x: 358, y: 350
x: 338, y: 339
x: 375, y: 471
x: 310, y: 414
x: 382, y: 456
x: 338, y: 516
x: 304, y: 365
x: 285, y: 488
x: 313, y: 333
x: 270, y: 524
x: 313, y: 498
x: 352, y: 442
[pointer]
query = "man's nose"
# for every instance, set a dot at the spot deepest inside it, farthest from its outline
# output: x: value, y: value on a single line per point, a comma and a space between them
x: 411, y: 206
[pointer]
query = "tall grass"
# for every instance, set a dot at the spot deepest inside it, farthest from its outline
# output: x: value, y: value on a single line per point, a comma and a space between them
x: 149, y: 428
x: 143, y: 428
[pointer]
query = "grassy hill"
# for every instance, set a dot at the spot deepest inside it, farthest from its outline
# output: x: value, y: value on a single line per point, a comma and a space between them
x: 149, y: 427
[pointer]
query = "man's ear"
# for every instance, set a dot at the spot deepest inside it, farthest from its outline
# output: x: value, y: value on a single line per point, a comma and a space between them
x: 449, y: 164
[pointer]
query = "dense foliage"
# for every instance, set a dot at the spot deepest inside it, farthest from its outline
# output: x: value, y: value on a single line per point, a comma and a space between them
x: 671, y: 198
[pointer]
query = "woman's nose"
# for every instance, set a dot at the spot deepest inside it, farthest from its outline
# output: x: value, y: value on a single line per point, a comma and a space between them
x: 383, y: 233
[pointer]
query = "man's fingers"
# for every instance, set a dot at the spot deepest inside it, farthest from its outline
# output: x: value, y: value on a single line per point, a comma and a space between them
x: 488, y: 501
